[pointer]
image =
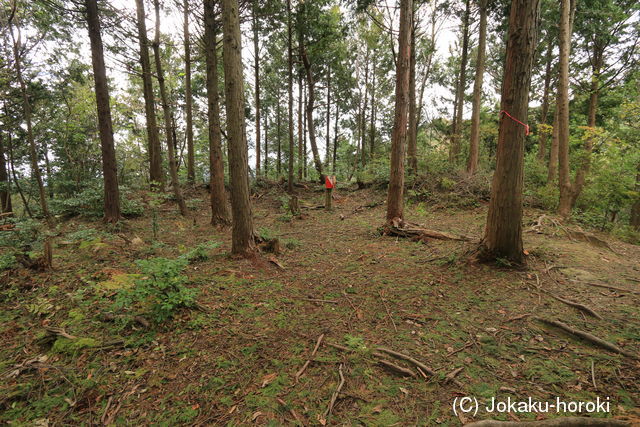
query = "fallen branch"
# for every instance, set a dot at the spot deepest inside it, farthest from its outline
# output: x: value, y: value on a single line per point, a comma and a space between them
x: 410, y: 359
x: 291, y: 411
x: 555, y: 422
x: 589, y: 337
x: 395, y: 328
x: 335, y: 394
x: 326, y: 301
x: 308, y: 362
x: 396, y: 368
x: 579, y: 306
x: 60, y: 332
x: 450, y: 377
x: 467, y: 345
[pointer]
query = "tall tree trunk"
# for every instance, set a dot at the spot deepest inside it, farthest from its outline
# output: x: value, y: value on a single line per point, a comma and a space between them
x: 300, y: 131
x: 474, y: 145
x: 256, y: 79
x: 635, y: 208
x: 156, y: 175
x: 542, y: 142
x: 279, y: 136
x: 219, y: 210
x: 266, y: 144
x: 454, y: 152
x: 585, y: 165
x: 363, y: 116
x: 242, y: 235
x: 109, y: 165
x: 191, y: 162
x: 503, y: 233
x: 412, y: 132
x: 552, y: 171
x: 395, y: 195
x: 26, y: 104
x: 290, y: 93
x: 327, y: 155
x: 335, y: 139
x: 47, y: 165
x: 25, y: 202
x: 372, y: 119
x: 166, y: 109
x: 304, y: 138
x: 310, y: 103
x: 562, y: 104
x: 5, y: 183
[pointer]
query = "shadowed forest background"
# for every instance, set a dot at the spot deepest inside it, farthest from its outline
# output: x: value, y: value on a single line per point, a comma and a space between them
x: 171, y: 252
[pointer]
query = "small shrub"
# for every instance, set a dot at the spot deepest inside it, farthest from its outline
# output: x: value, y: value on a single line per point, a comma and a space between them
x: 200, y: 252
x: 161, y: 291
x: 266, y: 234
x: 7, y: 262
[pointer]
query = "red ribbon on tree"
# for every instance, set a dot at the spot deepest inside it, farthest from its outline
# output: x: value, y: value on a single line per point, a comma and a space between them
x: 526, y: 126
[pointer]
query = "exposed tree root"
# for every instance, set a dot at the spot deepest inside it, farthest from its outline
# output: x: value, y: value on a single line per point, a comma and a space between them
x: 589, y: 337
x: 602, y: 285
x: 556, y: 422
x: 401, y: 228
x: 579, y: 306
x: 589, y: 238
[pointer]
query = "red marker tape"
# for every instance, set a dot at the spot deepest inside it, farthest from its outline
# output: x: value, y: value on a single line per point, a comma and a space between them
x: 526, y: 126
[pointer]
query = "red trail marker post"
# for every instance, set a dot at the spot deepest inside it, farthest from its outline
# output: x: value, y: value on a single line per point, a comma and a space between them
x: 329, y: 184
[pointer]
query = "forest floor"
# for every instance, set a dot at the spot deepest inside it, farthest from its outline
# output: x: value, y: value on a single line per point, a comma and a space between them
x: 234, y: 360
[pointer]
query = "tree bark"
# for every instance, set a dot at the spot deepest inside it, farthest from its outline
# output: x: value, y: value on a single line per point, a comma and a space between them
x: 395, y: 195
x: 635, y: 208
x: 542, y: 142
x: 279, y: 135
x: 363, y: 116
x: 454, y: 152
x: 242, y: 235
x: 156, y: 175
x: 290, y: 93
x: 310, y: 104
x: 219, y: 210
x: 552, y: 171
x: 327, y: 155
x: 412, y: 133
x: 372, y: 119
x: 562, y: 104
x: 266, y: 145
x: 26, y: 104
x: 25, y: 202
x: 256, y: 79
x: 585, y: 165
x: 105, y: 125
x: 300, y: 130
x: 474, y: 144
x: 503, y: 233
x: 166, y: 109
x: 5, y: 183
x: 335, y: 139
x: 191, y: 162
